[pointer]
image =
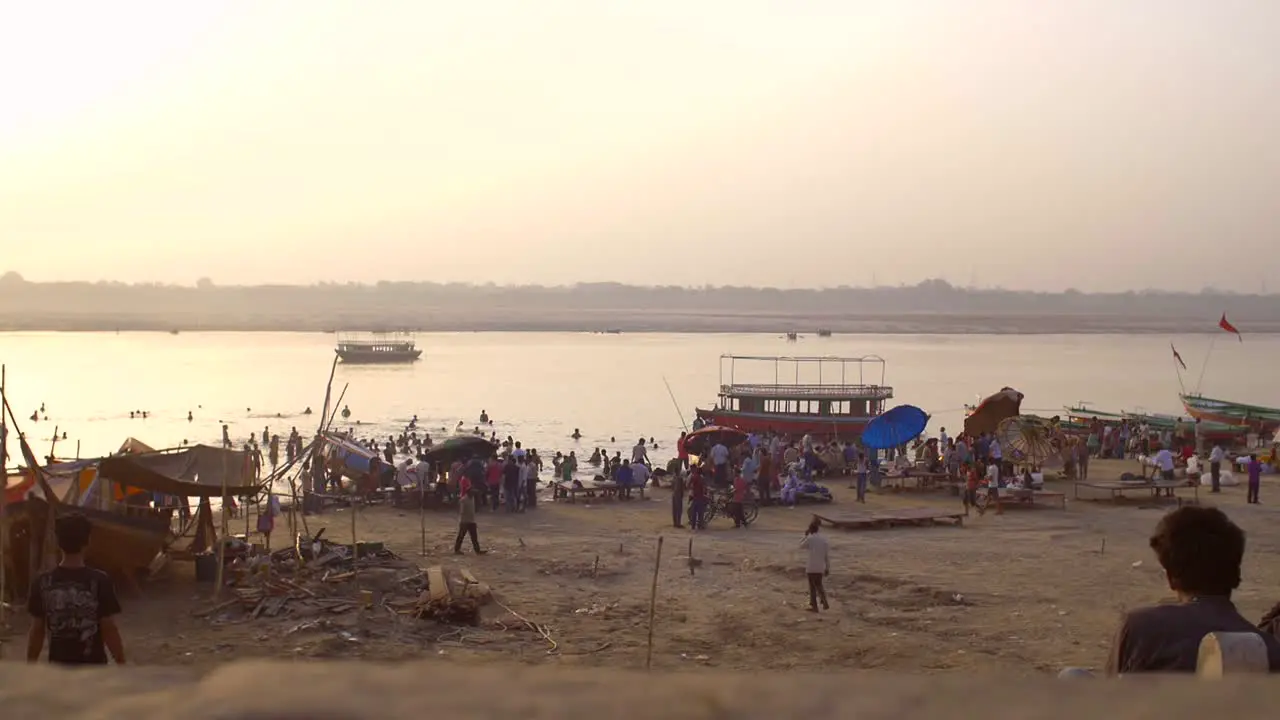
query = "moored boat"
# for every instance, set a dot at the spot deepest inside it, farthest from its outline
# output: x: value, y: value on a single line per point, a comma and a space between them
x: 826, y: 407
x: 1259, y: 418
x: 377, y: 348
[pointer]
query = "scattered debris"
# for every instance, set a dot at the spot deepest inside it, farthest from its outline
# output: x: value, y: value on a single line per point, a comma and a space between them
x: 318, y: 578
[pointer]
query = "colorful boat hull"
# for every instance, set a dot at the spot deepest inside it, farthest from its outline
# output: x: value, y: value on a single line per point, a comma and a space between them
x: 793, y: 425
x: 1255, y: 417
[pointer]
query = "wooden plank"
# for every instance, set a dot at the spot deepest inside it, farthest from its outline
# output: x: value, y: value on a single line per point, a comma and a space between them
x: 437, y: 585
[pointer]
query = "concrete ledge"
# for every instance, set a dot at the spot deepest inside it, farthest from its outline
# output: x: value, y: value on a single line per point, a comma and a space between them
x: 341, y: 691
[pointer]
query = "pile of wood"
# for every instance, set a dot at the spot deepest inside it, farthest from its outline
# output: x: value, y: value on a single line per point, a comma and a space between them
x: 317, y: 578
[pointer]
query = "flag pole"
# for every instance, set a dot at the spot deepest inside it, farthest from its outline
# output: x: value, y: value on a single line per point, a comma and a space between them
x: 1205, y: 364
x: 1177, y: 368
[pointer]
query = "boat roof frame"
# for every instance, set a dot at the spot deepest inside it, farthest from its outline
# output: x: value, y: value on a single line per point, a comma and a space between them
x: 808, y: 360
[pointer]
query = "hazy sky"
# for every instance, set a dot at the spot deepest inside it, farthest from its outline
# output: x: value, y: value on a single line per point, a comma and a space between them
x: 1096, y: 144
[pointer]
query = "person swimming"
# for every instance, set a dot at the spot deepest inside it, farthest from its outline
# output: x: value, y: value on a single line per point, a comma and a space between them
x: 595, y: 457
x: 307, y: 411
x: 190, y: 417
x: 346, y: 412
x: 484, y: 417
x: 577, y: 434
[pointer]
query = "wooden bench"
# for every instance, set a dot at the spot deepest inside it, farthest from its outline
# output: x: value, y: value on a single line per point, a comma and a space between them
x: 923, y: 480
x: 1024, y: 496
x: 1117, y: 488
x: 568, y: 491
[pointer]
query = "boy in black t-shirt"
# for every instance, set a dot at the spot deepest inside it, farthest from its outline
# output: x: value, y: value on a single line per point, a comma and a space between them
x: 75, y: 605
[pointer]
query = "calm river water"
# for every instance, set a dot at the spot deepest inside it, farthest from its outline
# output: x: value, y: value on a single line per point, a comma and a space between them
x: 540, y: 386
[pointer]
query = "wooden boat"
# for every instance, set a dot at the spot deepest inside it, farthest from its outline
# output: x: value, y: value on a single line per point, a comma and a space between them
x: 377, y: 348
x: 791, y: 337
x: 824, y: 333
x: 1259, y: 418
x: 841, y: 409
x: 1081, y: 419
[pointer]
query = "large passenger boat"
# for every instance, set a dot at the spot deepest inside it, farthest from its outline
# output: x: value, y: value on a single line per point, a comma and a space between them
x: 827, y: 396
x: 377, y: 347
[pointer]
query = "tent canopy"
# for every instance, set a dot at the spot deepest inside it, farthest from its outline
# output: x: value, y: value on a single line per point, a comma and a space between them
x: 197, y: 471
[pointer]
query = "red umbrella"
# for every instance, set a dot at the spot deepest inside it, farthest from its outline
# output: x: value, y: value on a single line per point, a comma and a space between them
x: 699, y: 442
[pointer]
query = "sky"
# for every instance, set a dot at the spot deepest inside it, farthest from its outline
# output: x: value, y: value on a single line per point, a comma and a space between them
x: 1091, y: 144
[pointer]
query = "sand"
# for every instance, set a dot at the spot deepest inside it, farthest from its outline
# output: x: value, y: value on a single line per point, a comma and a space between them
x: 1020, y: 594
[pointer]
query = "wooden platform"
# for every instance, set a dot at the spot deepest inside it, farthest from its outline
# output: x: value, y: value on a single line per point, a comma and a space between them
x: 916, y: 480
x: 903, y: 517
x: 1116, y: 489
x: 605, y: 490
x: 1019, y: 497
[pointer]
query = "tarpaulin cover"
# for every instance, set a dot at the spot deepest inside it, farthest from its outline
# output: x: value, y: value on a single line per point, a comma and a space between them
x: 197, y: 471
x: 895, y: 428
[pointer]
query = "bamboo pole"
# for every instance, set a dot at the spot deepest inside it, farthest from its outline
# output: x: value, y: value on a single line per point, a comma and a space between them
x: 422, y: 509
x: 653, y: 602
x: 355, y: 544
x: 222, y: 539
x: 4, y: 498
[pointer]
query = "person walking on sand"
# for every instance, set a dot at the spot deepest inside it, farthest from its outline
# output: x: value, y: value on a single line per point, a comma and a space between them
x: 677, y: 497
x: 467, y: 523
x: 74, y: 604
x: 817, y: 565
x: 1255, y: 478
x: 1215, y: 467
x: 697, y: 500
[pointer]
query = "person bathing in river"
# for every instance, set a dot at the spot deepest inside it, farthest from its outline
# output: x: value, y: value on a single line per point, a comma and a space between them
x: 595, y: 457
x: 484, y: 417
x: 640, y: 453
x: 577, y: 434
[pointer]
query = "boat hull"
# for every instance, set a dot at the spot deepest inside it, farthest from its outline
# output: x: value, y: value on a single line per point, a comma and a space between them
x: 844, y: 428
x: 373, y: 357
x: 1260, y: 419
x: 119, y: 544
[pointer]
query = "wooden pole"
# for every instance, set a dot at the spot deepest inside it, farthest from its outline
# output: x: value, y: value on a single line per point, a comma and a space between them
x: 422, y: 509
x: 4, y: 496
x: 222, y: 539
x: 355, y: 545
x: 653, y: 603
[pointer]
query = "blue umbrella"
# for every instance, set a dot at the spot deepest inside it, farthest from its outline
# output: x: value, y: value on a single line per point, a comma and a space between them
x: 895, y: 428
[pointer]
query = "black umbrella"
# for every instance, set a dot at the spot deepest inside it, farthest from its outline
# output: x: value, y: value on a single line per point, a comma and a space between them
x: 460, y: 448
x: 699, y: 442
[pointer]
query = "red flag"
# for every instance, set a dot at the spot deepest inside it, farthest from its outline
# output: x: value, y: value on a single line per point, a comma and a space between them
x: 1177, y: 357
x: 1229, y: 327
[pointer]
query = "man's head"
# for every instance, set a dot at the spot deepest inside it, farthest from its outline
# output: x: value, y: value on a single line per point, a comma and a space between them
x: 813, y: 527
x: 1200, y: 550
x: 72, y: 532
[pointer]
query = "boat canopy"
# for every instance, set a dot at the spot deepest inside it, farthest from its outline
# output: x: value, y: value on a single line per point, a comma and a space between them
x: 798, y: 378
x: 196, y: 471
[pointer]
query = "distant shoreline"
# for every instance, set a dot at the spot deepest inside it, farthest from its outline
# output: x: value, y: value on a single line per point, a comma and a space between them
x: 640, y: 322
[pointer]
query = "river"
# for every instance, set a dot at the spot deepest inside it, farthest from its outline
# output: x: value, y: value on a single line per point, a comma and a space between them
x: 540, y: 386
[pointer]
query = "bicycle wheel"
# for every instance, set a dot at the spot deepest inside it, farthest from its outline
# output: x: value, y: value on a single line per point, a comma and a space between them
x: 712, y: 509
x: 750, y: 511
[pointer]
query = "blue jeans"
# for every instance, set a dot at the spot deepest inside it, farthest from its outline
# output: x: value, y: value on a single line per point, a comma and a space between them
x: 697, y: 509
x: 512, y: 491
x: 862, y: 487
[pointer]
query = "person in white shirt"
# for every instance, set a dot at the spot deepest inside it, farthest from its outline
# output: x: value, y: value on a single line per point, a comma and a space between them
x: 817, y: 565
x: 1215, y: 466
x: 1164, y: 461
x: 942, y: 438
x: 639, y: 474
x: 640, y: 453
x: 720, y: 461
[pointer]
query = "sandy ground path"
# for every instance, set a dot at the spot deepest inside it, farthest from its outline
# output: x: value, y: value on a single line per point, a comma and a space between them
x: 1023, y: 593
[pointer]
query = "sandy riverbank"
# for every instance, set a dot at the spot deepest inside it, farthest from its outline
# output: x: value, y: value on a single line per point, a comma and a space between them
x: 1020, y: 594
